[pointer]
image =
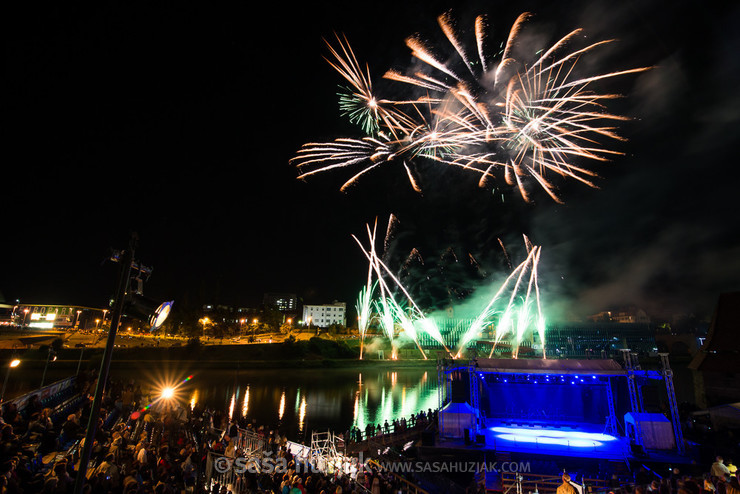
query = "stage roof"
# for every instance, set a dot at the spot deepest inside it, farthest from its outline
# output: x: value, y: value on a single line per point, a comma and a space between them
x: 600, y: 367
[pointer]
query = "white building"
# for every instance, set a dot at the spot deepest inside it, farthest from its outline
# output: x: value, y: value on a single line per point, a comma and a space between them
x: 323, y: 316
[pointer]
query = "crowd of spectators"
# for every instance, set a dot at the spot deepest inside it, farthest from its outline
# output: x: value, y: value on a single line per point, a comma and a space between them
x: 147, y: 446
x: 720, y: 479
x: 143, y: 445
x: 417, y: 421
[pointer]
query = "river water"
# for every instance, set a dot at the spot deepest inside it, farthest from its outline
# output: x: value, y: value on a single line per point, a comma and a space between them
x: 303, y: 400
x: 296, y: 400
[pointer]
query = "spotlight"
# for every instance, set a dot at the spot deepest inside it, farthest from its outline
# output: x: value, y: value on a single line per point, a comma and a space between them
x: 168, y: 393
x: 148, y: 310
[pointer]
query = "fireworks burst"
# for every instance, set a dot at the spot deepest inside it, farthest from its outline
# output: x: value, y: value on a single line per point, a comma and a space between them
x: 410, y: 317
x: 502, y: 118
x: 519, y: 313
x: 515, y: 309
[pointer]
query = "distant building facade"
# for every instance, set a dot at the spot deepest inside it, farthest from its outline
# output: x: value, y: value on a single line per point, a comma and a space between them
x: 623, y: 315
x: 323, y: 316
x: 284, y: 302
x: 54, y: 317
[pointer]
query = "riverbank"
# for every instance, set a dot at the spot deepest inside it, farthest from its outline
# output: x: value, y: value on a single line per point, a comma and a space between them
x: 310, y: 354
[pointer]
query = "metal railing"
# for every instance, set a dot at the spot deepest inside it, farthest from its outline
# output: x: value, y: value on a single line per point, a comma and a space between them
x: 221, y: 477
x: 529, y: 482
x: 249, y: 442
x: 408, y: 486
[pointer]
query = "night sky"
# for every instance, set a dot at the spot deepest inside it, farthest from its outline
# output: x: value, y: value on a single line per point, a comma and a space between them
x: 178, y: 120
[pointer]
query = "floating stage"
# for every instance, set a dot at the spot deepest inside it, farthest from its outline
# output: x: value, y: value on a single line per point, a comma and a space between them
x: 561, y: 409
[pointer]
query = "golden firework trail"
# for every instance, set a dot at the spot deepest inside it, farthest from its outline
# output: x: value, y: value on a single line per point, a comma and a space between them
x: 520, y: 121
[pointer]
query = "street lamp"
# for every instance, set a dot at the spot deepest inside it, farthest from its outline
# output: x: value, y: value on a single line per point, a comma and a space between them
x: 13, y: 363
x: 77, y: 319
x: 204, y: 321
x: 51, y: 356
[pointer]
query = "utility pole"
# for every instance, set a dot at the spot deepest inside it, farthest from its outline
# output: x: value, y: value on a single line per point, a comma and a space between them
x: 123, y: 283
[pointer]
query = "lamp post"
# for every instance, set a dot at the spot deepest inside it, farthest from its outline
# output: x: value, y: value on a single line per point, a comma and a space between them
x: 77, y: 319
x: 51, y: 356
x: 118, y: 306
x: 13, y: 363
x: 79, y: 364
x: 204, y: 321
x: 135, y: 305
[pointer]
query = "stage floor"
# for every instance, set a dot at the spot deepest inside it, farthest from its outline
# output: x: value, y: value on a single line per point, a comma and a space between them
x: 584, y: 440
x: 567, y: 440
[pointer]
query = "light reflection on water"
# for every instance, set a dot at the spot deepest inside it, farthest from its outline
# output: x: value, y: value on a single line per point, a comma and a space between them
x: 335, y: 399
x: 399, y: 396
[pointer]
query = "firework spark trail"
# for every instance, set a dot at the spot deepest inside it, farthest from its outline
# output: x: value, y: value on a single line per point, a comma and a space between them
x: 363, y: 306
x: 480, y: 36
x: 398, y: 313
x: 385, y: 317
x: 390, y: 230
x: 485, y: 317
x: 524, y: 320
x: 417, y: 315
x: 361, y: 104
x: 515, y: 318
x: 406, y: 324
x: 429, y: 326
x: 506, y: 254
x: 525, y: 119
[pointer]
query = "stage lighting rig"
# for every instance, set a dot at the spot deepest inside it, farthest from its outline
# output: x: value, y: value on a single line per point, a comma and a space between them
x: 136, y: 305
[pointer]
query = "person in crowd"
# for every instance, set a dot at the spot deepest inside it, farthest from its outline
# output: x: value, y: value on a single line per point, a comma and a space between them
x: 719, y: 469
x: 733, y: 487
x: 566, y: 487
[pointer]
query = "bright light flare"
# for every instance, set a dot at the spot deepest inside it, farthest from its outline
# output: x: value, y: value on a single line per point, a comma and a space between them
x: 168, y: 393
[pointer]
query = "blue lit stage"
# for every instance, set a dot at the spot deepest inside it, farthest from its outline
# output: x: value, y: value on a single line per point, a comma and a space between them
x: 576, y: 408
x: 555, y: 441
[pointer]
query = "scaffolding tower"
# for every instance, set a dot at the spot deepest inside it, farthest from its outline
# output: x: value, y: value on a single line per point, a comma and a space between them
x: 668, y: 378
x: 632, y: 387
x: 324, y: 454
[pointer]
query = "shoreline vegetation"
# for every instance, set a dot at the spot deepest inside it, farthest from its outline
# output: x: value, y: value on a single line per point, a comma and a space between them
x: 312, y: 353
